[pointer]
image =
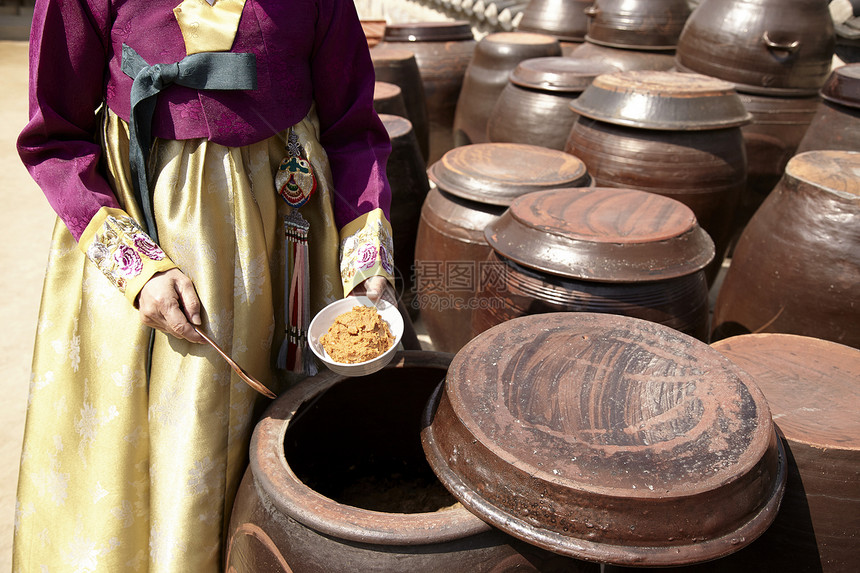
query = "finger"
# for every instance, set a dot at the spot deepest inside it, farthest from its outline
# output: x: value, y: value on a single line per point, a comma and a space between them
x: 190, y: 301
x: 374, y: 288
x: 177, y: 324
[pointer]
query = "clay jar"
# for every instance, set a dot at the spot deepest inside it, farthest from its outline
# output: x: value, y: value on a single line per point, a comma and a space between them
x: 616, y: 251
x: 836, y: 124
x: 534, y: 106
x: 811, y: 387
x: 338, y: 481
x: 407, y: 176
x: 400, y: 67
x: 564, y: 19
x: 443, y: 51
x: 495, y: 57
x: 607, y: 438
x: 796, y: 267
x: 625, y: 58
x: 474, y: 184
x: 677, y: 135
x: 770, y: 47
x: 643, y: 24
x: 778, y: 125
x: 388, y: 98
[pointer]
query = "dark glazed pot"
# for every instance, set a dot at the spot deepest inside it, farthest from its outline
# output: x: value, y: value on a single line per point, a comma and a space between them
x: 474, y: 185
x: 616, y: 251
x: 407, y: 175
x: 642, y: 24
x: 388, y: 98
x: 338, y: 482
x: 836, y: 124
x: 534, y: 107
x: 607, y: 438
x: 495, y: 57
x: 443, y: 51
x: 400, y: 67
x: 625, y: 59
x: 564, y: 19
x: 682, y: 140
x: 796, y: 266
x: 771, y: 47
x: 811, y: 387
x: 771, y: 139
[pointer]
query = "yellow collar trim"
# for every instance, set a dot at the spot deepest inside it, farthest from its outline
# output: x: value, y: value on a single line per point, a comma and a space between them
x: 208, y: 28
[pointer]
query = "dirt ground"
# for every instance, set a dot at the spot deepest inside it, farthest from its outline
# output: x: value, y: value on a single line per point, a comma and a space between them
x: 25, y: 227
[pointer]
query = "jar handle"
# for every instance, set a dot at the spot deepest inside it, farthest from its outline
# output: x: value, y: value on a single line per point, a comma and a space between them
x: 785, y: 47
x: 592, y: 11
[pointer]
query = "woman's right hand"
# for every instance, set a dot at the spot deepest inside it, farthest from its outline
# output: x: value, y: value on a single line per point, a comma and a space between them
x: 168, y: 301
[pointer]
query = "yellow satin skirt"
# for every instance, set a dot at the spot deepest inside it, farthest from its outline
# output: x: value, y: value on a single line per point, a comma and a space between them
x: 124, y: 472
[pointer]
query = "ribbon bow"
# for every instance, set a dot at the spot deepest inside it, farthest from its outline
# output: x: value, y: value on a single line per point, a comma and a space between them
x: 203, y: 71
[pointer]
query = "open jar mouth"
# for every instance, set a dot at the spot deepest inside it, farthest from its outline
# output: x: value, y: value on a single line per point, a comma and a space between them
x: 343, y: 456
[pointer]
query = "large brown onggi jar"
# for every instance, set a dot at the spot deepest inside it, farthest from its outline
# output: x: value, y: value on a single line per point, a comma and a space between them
x: 534, y: 106
x: 564, y: 19
x: 772, y: 137
x: 407, y: 176
x: 811, y: 387
x: 796, y: 266
x: 400, y: 67
x: 338, y: 482
x: 769, y: 47
x: 836, y: 124
x: 495, y: 56
x: 637, y: 24
x: 673, y: 134
x: 606, y: 250
x: 625, y: 58
x: 474, y: 184
x: 443, y: 51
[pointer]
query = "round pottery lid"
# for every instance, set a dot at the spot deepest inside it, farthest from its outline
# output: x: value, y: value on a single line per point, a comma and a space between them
x: 602, y: 234
x: 497, y: 173
x: 843, y: 86
x: 442, y: 31
x: 558, y: 74
x: 802, y: 378
x: 663, y: 100
x: 607, y: 438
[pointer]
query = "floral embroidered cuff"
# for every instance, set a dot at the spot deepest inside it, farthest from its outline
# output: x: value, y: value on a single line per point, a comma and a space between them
x: 123, y: 251
x: 366, y: 250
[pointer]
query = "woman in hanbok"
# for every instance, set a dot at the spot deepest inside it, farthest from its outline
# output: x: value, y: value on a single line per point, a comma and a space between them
x: 214, y: 164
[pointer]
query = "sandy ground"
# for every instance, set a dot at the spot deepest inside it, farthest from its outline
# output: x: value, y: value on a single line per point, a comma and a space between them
x: 25, y: 227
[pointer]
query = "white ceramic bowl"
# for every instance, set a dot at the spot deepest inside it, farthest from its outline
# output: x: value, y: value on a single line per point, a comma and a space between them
x: 326, y: 317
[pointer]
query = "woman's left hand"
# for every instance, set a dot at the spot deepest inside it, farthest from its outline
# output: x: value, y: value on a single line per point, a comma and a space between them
x: 375, y: 288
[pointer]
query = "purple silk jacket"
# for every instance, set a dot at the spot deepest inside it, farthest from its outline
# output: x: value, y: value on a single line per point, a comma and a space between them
x: 306, y: 50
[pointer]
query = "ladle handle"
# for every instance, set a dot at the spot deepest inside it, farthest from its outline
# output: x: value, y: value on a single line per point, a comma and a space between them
x: 247, y: 378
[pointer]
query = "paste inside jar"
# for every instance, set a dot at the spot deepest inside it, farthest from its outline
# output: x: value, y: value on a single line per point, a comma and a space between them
x: 357, y: 336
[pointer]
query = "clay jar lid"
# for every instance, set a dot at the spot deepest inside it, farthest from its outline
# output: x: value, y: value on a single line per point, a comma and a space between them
x: 497, y: 173
x: 810, y: 384
x: 564, y: 19
x: 502, y: 50
x: 607, y: 438
x: 843, y: 86
x: 442, y: 31
x: 647, y: 25
x: 662, y: 100
x: 602, y: 234
x: 558, y: 74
